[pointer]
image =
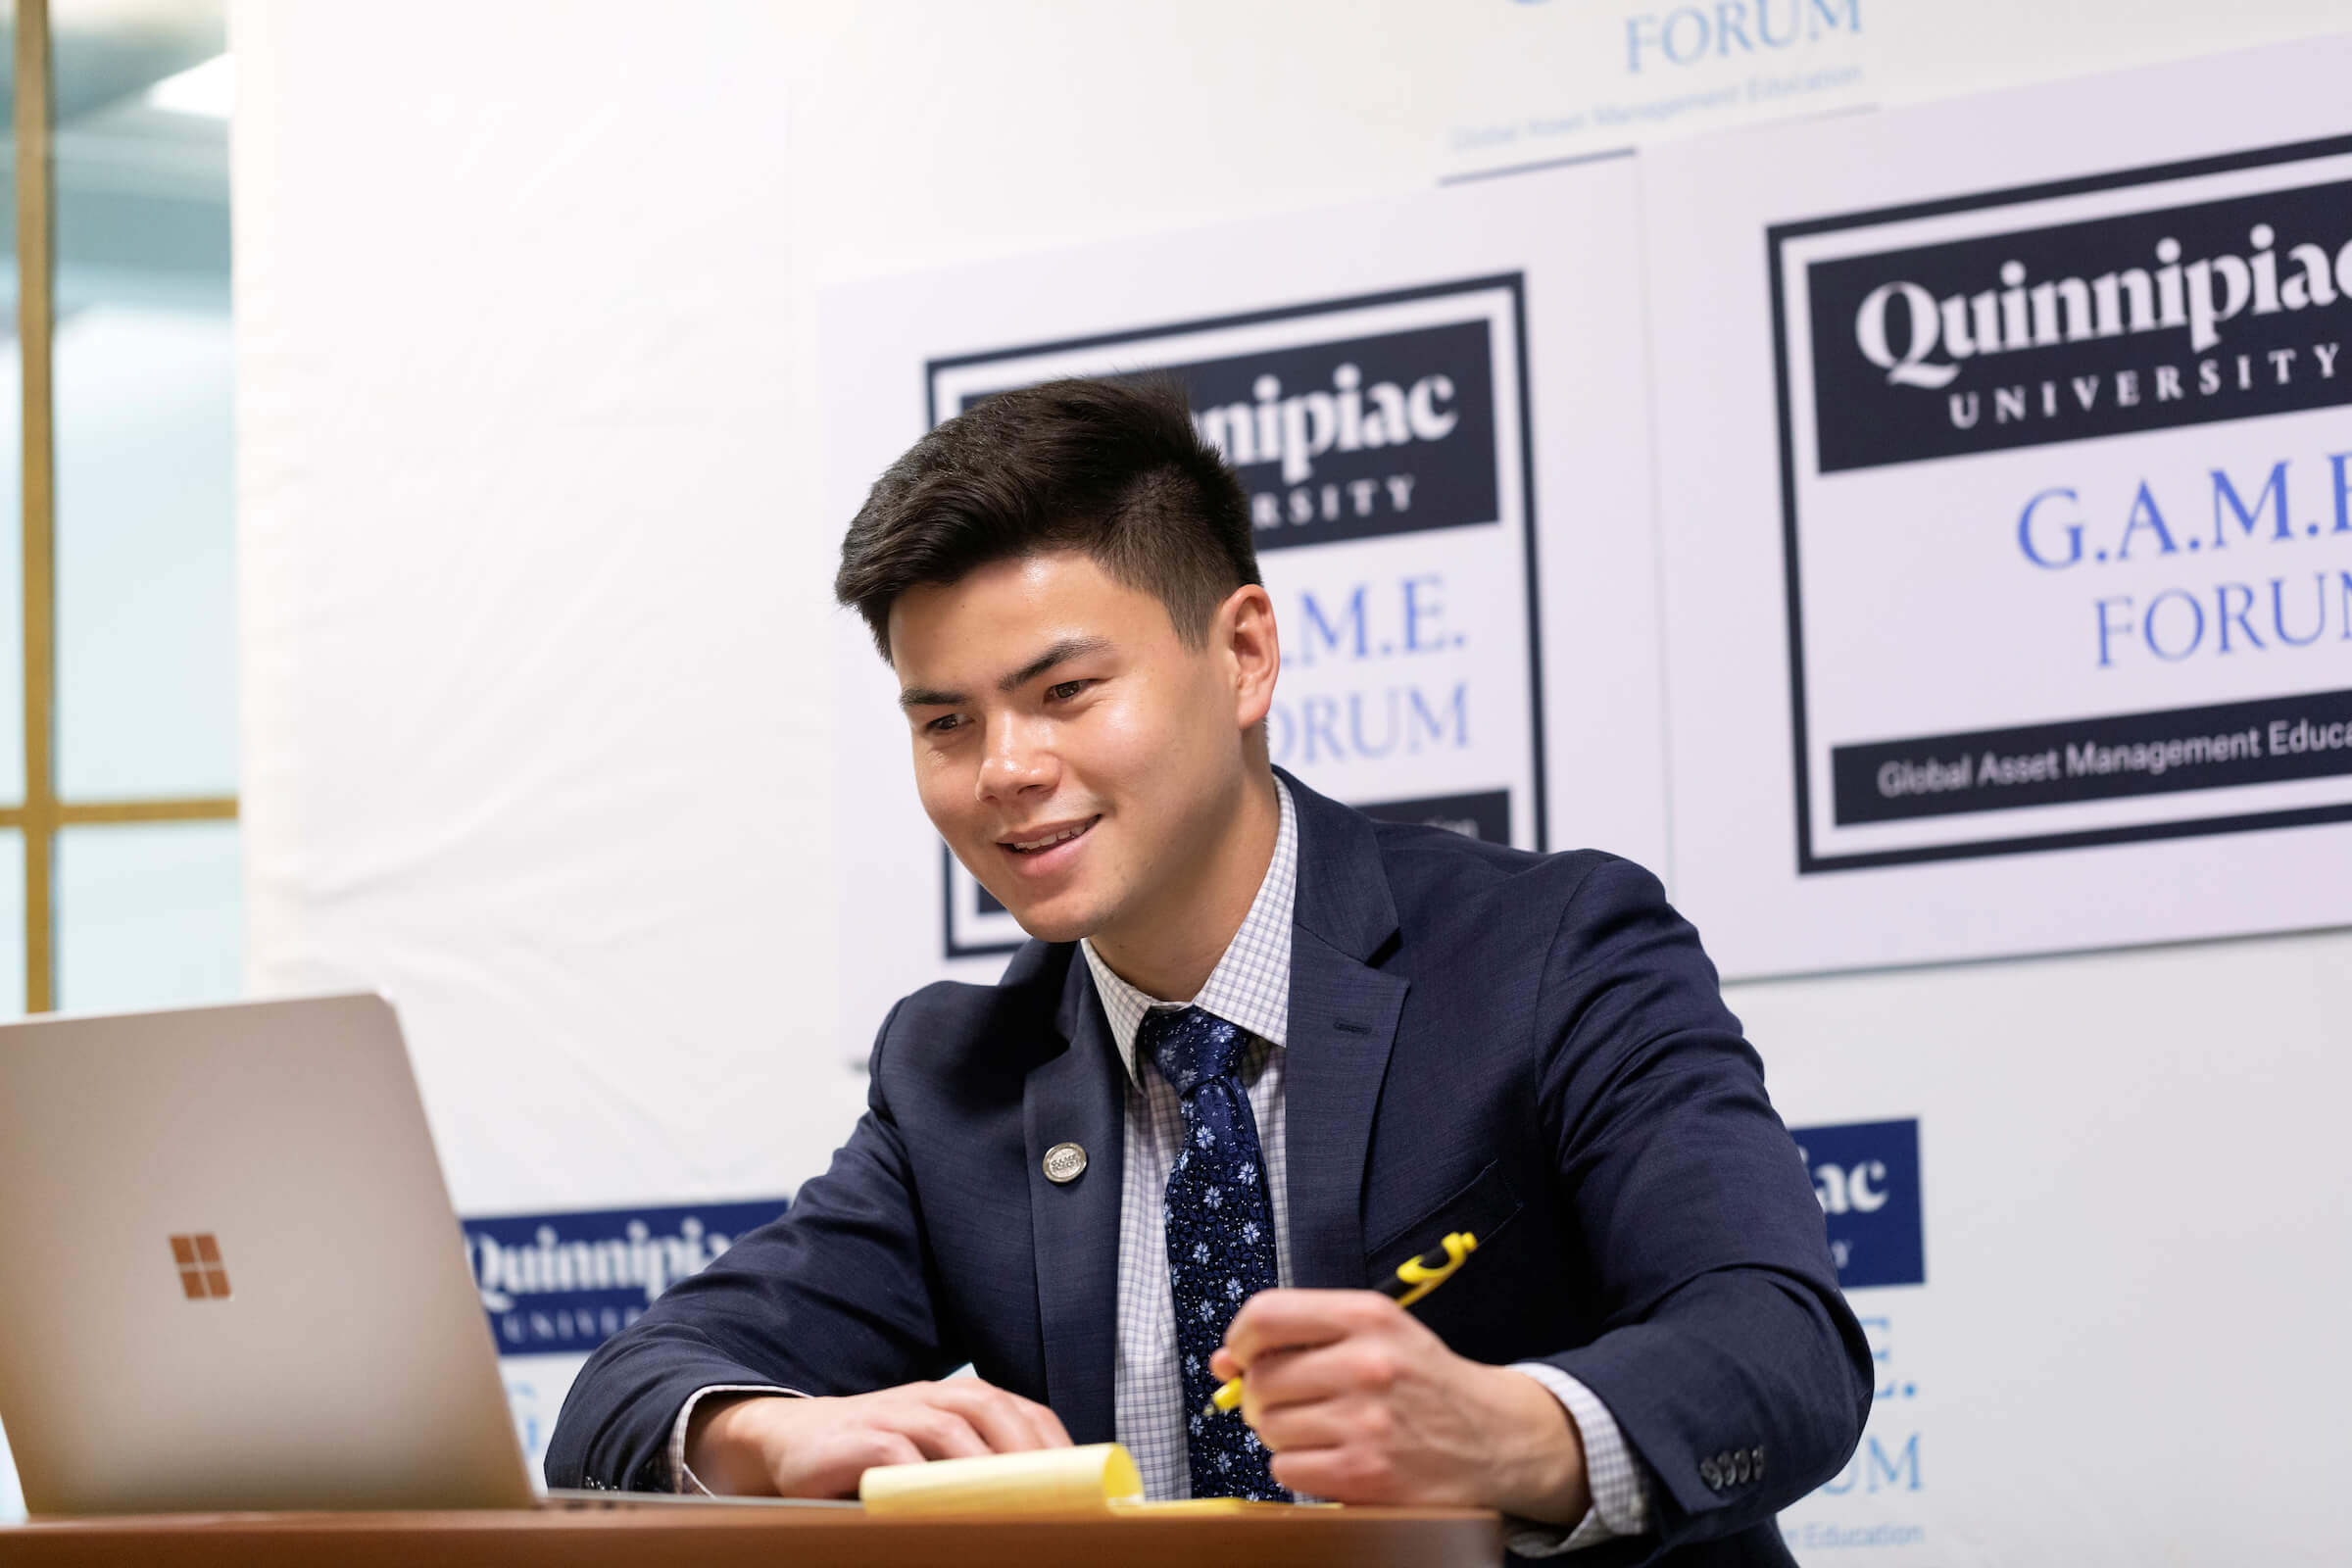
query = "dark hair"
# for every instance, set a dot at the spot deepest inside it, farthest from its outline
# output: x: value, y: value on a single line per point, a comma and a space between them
x: 1113, y: 468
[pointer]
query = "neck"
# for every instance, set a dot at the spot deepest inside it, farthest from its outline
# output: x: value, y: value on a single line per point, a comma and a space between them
x: 1171, y: 953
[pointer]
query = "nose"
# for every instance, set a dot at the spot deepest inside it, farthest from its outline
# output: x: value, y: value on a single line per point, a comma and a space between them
x: 1018, y: 760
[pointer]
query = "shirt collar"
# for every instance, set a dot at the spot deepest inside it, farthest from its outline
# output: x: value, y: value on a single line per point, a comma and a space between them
x: 1251, y: 986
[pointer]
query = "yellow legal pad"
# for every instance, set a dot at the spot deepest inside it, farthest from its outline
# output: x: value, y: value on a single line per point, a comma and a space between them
x: 1100, y: 1478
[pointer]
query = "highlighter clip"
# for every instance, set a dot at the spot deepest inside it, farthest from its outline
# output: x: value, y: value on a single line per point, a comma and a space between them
x: 1424, y: 1274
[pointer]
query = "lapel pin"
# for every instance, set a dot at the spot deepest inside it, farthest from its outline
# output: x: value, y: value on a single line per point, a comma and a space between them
x: 1065, y: 1163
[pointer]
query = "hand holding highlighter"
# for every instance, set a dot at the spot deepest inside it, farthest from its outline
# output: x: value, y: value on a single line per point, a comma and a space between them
x: 1416, y: 1278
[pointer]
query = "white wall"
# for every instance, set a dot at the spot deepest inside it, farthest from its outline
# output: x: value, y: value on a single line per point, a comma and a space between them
x: 532, y: 705
x: 2158, y: 1239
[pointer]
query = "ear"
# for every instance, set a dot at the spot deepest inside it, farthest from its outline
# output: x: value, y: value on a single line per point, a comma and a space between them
x: 1244, y: 632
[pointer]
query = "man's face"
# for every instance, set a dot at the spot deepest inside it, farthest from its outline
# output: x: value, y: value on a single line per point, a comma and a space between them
x: 1076, y: 755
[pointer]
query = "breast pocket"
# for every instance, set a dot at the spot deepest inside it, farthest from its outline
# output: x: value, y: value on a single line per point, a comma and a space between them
x: 1484, y: 1207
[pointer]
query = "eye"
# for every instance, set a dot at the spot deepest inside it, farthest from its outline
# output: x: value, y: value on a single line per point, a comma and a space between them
x: 1065, y: 690
x: 943, y: 724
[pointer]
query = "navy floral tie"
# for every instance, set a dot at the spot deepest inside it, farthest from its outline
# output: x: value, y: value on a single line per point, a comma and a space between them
x: 1220, y: 1236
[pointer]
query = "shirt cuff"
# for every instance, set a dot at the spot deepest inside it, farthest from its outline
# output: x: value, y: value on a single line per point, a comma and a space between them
x: 682, y: 1478
x: 1620, y: 1496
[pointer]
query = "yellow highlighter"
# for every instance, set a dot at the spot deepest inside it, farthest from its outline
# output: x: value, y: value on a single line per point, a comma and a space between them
x: 1416, y: 1278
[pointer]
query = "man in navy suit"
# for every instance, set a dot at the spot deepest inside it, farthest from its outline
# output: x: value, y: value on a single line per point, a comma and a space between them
x: 1262, y: 1050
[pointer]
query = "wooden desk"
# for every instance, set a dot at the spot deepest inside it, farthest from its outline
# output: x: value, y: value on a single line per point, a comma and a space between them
x: 719, y: 1536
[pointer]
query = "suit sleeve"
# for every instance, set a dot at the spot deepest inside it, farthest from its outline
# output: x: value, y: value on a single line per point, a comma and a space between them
x: 1729, y: 1358
x: 835, y: 1297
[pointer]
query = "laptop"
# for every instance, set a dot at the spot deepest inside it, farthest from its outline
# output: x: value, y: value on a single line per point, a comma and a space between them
x: 232, y: 1278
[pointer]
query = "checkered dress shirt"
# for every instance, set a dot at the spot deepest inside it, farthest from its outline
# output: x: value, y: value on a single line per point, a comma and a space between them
x: 1251, y: 987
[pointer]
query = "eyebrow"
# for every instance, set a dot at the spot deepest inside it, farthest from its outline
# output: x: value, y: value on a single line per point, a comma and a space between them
x: 1062, y: 652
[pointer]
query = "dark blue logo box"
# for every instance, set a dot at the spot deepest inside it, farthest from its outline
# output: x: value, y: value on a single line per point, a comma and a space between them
x: 557, y: 1283
x: 1866, y: 1175
x: 1864, y: 421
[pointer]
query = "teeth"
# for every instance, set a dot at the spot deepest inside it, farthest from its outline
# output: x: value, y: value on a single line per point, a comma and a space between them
x: 1048, y: 843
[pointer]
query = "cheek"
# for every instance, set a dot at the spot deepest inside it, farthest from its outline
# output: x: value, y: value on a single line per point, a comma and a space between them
x: 1134, y: 746
x: 1123, y: 730
x: 941, y: 786
x: 1179, y: 733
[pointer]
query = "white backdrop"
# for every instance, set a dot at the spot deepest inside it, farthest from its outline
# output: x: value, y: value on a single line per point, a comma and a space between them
x: 537, y: 726
x: 2129, y: 1347
x: 526, y: 713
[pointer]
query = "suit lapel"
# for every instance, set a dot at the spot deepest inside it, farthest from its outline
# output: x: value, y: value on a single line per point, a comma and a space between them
x: 1077, y: 1098
x: 1342, y: 1025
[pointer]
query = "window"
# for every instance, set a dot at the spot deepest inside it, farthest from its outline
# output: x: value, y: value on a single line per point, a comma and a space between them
x: 119, y: 865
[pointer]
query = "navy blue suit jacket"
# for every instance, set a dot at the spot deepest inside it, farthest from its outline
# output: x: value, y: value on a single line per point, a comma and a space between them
x: 1530, y: 1048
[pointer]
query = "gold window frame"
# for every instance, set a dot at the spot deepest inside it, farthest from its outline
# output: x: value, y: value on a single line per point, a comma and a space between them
x: 42, y: 814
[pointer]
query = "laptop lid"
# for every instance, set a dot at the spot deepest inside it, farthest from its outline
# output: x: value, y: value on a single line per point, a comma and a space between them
x: 232, y: 1278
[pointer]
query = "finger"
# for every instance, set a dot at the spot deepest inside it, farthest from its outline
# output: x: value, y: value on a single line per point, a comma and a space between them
x: 1269, y: 1367
x: 832, y: 1469
x: 1005, y: 1422
x: 940, y: 1434
x: 1346, y: 1472
x: 1043, y: 1427
x: 882, y: 1448
x: 1293, y: 1319
x: 1361, y: 1364
x: 1325, y: 1424
x: 1056, y: 1434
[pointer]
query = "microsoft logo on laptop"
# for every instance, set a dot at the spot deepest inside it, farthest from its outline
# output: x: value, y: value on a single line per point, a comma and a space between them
x: 203, y: 1276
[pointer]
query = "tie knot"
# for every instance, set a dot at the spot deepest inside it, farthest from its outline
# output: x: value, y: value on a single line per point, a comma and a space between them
x: 1189, y: 1047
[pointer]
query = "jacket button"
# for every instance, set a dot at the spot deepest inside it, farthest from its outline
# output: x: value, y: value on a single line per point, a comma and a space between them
x: 1740, y: 1466
x: 1708, y: 1473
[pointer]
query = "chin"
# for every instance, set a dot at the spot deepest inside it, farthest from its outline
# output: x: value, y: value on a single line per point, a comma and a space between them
x: 1054, y: 928
x: 1055, y: 921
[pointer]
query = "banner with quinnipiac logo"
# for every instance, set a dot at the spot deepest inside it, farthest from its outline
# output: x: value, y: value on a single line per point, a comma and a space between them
x: 554, y: 1283
x: 2114, y: 406
x: 1383, y: 444
x: 2015, y: 453
x: 1867, y: 1177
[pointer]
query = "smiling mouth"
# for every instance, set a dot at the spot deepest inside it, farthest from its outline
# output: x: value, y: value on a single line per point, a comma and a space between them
x: 1038, y: 846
